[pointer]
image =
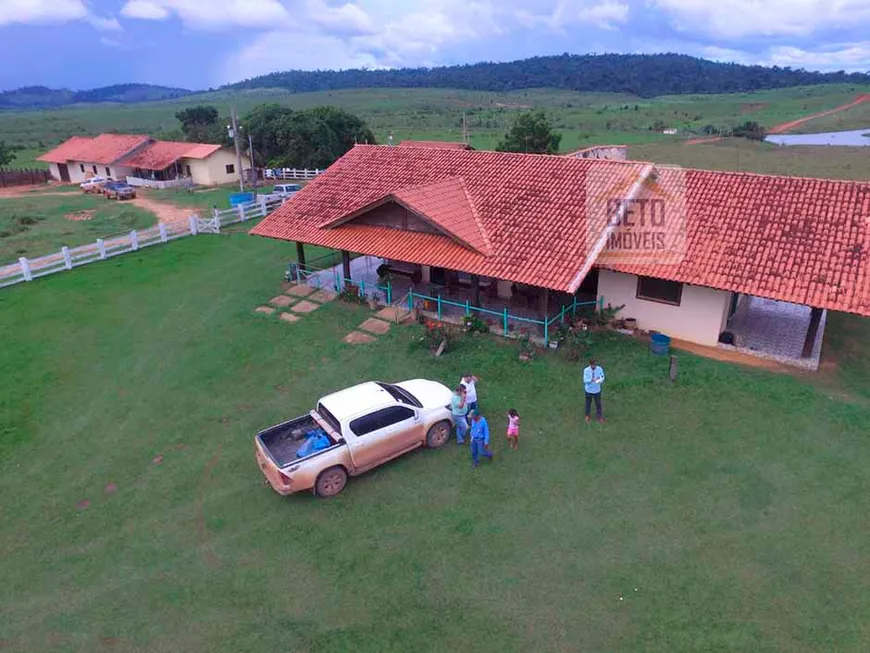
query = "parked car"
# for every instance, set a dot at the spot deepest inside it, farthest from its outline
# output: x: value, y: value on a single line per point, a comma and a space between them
x: 118, y: 190
x: 94, y: 184
x: 286, y: 190
x: 353, y: 431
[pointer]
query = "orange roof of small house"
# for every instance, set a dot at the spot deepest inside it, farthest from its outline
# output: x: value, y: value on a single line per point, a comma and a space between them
x: 65, y: 151
x: 105, y: 148
x: 438, y: 145
x: 159, y: 155
x: 792, y: 239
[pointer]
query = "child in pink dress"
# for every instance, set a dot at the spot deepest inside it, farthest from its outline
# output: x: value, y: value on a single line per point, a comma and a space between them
x: 513, y: 429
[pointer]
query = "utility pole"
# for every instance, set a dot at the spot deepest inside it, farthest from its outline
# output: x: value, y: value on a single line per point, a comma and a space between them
x: 254, y: 177
x: 234, y: 133
x: 464, y: 129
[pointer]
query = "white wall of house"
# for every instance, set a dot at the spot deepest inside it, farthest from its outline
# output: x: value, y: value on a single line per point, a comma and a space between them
x: 212, y: 170
x: 699, y: 318
x: 76, y: 175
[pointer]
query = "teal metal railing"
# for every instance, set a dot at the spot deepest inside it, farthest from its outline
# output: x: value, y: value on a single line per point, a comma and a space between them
x: 504, y: 314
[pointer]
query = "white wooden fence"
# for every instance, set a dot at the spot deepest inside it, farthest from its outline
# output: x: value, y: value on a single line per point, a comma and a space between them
x: 291, y: 173
x: 104, y: 248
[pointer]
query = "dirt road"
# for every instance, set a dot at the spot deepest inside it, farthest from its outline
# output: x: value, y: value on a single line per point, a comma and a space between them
x: 787, y: 126
x: 164, y: 211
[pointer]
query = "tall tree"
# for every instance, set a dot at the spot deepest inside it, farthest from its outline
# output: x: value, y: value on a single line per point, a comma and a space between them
x: 314, y: 138
x: 7, y: 154
x: 532, y: 133
x: 202, y: 124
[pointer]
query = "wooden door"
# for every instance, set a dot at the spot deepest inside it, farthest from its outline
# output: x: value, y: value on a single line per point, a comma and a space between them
x: 64, y: 171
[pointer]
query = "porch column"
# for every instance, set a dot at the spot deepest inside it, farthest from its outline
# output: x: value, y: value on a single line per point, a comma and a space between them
x: 300, y: 254
x: 345, y: 263
x: 812, y: 331
x: 475, y: 290
x: 544, y: 303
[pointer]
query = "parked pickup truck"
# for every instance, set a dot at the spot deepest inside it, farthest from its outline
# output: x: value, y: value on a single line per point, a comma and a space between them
x: 351, y: 432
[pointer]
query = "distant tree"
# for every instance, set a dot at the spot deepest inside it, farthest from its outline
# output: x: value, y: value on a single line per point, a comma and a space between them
x: 314, y: 138
x: 531, y: 132
x: 202, y: 124
x: 751, y: 130
x: 7, y: 153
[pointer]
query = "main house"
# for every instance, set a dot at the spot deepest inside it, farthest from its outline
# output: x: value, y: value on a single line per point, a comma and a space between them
x: 713, y: 258
x: 142, y: 161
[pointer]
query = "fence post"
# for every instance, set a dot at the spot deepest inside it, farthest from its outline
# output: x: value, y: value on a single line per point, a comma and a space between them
x: 546, y: 332
x: 241, y: 209
x: 101, y: 247
x: 439, y: 307
x: 601, y: 304
x: 574, y: 308
x: 467, y: 308
x: 25, y: 268
x: 298, y: 274
x: 389, y: 292
x: 215, y: 213
x: 134, y: 240
x: 263, y: 205
x: 192, y: 222
x: 410, y: 301
x: 67, y: 259
x: 162, y: 228
x: 362, y: 287
x: 505, y: 322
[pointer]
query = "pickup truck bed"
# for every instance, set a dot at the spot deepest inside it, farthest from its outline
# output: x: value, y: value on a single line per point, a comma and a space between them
x: 282, y: 441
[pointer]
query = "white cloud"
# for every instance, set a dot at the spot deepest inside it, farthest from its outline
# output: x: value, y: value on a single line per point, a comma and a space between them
x: 600, y: 14
x: 144, y: 10
x: 851, y: 57
x: 109, y: 24
x: 41, y: 11
x: 211, y: 14
x: 741, y: 18
x: 347, y: 19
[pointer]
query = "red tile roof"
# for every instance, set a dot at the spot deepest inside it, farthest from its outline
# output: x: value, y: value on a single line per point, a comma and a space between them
x: 438, y: 145
x: 531, y: 209
x: 108, y: 148
x: 159, y: 155
x: 111, y: 148
x: 65, y: 151
x: 792, y: 239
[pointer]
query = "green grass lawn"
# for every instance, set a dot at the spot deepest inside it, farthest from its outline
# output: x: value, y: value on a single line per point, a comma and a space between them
x: 204, y: 199
x: 762, y: 158
x: 37, y: 224
x: 722, y: 513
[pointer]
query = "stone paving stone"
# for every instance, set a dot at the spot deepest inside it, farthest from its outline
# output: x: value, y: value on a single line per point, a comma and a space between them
x: 390, y: 312
x: 305, y: 307
x: 299, y: 291
x: 281, y: 301
x: 358, y: 338
x: 289, y: 317
x: 266, y: 310
x: 322, y: 296
x: 373, y: 325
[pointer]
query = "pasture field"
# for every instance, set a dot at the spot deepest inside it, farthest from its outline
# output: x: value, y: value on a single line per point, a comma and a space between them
x: 720, y: 513
x: 41, y: 223
x: 583, y: 118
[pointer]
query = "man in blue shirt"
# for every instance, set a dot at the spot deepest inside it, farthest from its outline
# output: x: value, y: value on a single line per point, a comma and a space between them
x: 479, y: 438
x: 593, y: 377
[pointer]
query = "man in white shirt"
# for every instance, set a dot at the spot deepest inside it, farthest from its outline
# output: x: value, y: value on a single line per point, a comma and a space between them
x: 593, y: 377
x: 469, y: 382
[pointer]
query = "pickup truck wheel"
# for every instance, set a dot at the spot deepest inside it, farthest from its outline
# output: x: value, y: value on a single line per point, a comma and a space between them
x: 331, y: 482
x: 438, y: 435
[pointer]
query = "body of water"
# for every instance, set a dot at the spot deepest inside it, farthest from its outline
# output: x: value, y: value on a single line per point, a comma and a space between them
x: 855, y: 138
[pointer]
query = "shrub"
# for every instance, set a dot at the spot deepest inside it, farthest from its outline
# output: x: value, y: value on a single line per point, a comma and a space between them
x: 473, y: 324
x: 434, y: 333
x: 351, y: 294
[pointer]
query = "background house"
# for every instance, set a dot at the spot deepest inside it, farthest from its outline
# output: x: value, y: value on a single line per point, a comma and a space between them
x: 142, y: 161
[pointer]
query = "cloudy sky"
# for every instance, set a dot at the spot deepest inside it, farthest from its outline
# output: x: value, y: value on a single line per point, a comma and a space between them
x: 201, y: 43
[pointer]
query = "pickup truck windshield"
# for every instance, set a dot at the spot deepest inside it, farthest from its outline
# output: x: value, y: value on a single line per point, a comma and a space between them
x: 402, y: 396
x: 329, y: 418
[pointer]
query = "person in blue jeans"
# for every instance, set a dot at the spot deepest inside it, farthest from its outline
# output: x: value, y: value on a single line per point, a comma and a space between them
x: 459, y: 410
x: 479, y: 438
x: 593, y: 377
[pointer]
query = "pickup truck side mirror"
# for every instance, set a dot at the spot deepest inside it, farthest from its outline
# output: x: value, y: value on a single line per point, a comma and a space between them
x: 416, y: 416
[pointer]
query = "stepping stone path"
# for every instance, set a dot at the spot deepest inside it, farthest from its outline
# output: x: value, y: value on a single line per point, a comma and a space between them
x: 292, y: 300
x: 374, y: 325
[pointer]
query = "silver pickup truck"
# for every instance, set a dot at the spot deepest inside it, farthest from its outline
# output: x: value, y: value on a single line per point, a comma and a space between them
x: 351, y: 432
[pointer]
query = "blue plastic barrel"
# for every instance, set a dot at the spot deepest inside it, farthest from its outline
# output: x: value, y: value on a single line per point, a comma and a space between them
x: 660, y: 345
x: 241, y: 198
